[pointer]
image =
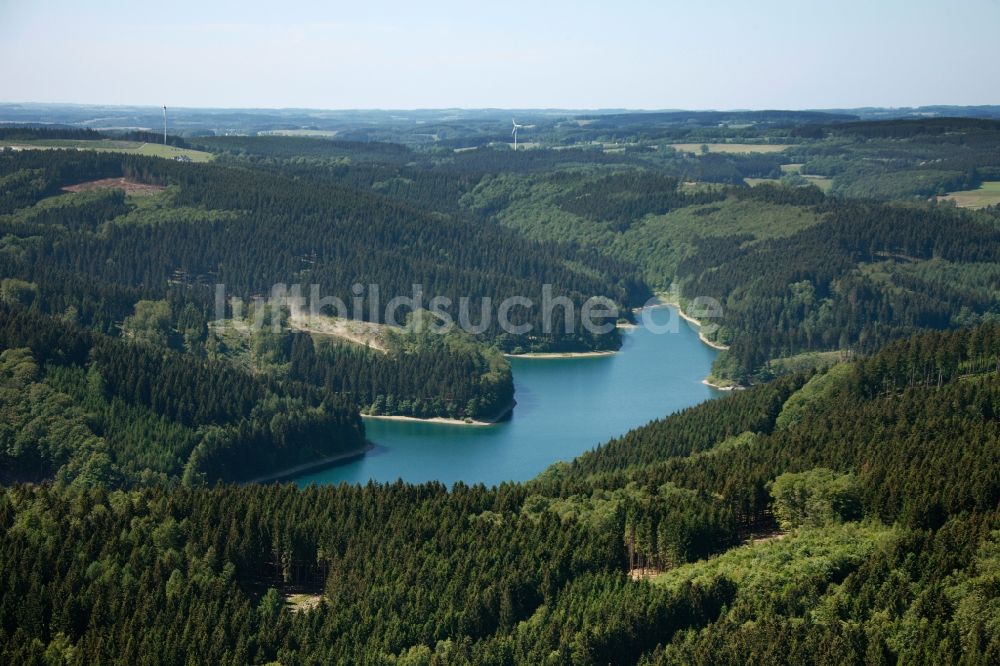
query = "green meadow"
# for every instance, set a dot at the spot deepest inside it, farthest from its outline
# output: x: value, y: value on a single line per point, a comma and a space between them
x: 987, y: 194
x: 112, y: 146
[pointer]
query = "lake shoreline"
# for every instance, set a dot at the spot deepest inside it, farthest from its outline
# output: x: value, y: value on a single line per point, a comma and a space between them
x: 550, y: 355
x: 714, y: 345
x: 313, y: 466
x: 565, y: 407
x: 707, y: 381
x: 718, y: 346
x: 441, y: 420
x: 719, y: 387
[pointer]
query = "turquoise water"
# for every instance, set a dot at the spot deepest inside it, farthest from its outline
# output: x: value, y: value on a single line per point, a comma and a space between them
x: 564, y: 407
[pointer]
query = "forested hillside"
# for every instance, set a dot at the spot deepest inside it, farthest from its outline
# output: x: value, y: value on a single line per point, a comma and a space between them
x: 886, y: 548
x: 145, y: 265
x: 92, y: 410
x: 278, y: 229
x: 796, y: 270
x: 866, y: 274
x: 903, y: 158
x: 635, y: 216
x: 843, y: 509
x: 423, y: 376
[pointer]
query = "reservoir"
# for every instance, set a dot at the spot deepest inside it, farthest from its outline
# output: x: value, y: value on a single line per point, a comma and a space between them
x: 565, y: 406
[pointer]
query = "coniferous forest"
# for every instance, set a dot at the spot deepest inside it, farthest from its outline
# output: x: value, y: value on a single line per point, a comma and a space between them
x: 843, y: 507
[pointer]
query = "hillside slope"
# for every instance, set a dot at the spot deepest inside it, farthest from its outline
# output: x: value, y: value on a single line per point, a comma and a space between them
x: 907, y: 442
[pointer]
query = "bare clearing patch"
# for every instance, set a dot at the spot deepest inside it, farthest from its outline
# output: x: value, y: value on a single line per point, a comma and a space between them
x: 731, y: 147
x: 130, y: 187
x: 359, y: 332
x: 323, y: 134
x: 299, y: 603
x: 644, y: 573
x: 766, y: 536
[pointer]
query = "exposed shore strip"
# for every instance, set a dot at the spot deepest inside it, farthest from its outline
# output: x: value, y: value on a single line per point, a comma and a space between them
x: 434, y: 419
x: 493, y: 420
x: 714, y: 345
x: 544, y: 355
x: 313, y: 466
x: 330, y: 461
x: 346, y: 456
x: 701, y: 336
x: 718, y: 346
x: 717, y: 387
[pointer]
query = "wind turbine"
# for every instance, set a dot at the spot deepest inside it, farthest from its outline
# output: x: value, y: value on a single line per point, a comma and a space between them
x: 164, y: 125
x: 516, y: 127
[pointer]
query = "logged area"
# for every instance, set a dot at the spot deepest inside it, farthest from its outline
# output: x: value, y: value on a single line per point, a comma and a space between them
x: 129, y: 186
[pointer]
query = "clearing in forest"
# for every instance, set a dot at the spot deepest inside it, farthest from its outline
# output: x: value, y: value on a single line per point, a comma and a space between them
x: 130, y: 187
x: 987, y: 194
x: 731, y: 147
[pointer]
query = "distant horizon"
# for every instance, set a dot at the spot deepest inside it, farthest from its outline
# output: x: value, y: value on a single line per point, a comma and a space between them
x: 603, y: 109
x: 387, y: 54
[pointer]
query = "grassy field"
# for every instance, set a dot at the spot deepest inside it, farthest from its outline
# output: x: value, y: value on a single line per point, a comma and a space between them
x: 112, y: 146
x: 657, y: 243
x: 820, y: 554
x: 660, y: 242
x: 987, y: 194
x: 984, y: 278
x: 757, y: 181
x: 731, y: 147
x: 822, y: 182
x: 807, y: 361
x: 151, y: 209
x: 320, y: 134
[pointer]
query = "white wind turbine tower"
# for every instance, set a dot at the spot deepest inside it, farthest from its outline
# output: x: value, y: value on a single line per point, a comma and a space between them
x: 164, y: 125
x: 516, y: 127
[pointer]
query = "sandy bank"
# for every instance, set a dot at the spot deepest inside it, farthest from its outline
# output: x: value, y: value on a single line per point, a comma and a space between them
x: 591, y: 354
x: 437, y: 419
x: 446, y: 421
x: 691, y: 320
x: 717, y: 387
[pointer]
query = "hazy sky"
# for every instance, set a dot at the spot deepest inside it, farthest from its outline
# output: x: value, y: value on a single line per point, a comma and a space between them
x: 569, y: 54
